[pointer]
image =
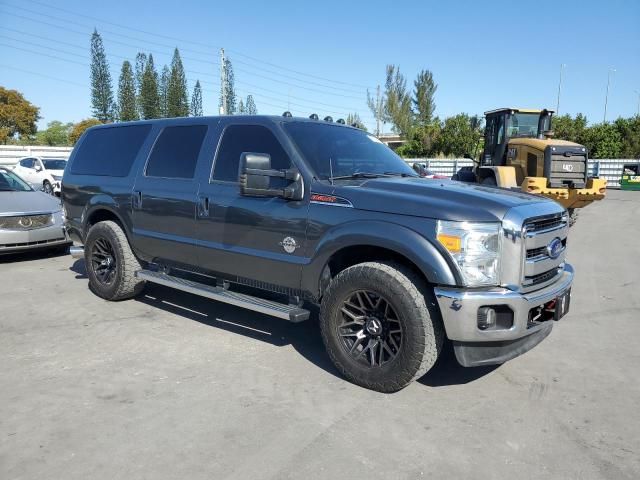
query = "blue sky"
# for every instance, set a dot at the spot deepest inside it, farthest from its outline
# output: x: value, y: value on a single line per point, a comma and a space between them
x: 321, y: 56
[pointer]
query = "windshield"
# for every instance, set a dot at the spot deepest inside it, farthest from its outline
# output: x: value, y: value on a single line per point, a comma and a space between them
x: 10, y: 182
x: 334, y: 151
x: 526, y: 124
x: 54, y: 164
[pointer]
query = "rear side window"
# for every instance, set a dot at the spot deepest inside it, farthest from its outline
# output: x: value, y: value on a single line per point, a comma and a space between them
x: 110, y: 151
x: 176, y: 152
x: 247, y: 138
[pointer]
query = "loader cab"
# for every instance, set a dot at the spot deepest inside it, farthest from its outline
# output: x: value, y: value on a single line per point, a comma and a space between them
x: 506, y: 123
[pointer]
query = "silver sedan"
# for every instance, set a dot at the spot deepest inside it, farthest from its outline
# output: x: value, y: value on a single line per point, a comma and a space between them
x: 29, y: 219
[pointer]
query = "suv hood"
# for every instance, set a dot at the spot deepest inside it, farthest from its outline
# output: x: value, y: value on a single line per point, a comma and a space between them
x: 438, y: 199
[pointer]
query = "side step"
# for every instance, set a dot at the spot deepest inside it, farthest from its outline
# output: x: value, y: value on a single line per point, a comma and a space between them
x: 291, y: 313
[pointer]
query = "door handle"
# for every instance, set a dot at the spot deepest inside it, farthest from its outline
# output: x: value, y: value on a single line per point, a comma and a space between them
x: 204, y: 206
x: 137, y: 199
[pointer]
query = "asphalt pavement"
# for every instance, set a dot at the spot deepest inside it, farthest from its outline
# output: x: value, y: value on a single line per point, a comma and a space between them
x: 172, y: 386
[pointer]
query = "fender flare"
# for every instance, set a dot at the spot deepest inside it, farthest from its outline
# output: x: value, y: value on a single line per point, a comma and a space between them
x: 103, y: 202
x: 436, y: 268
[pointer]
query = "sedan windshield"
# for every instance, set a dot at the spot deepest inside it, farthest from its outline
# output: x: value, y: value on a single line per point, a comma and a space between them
x: 10, y: 182
x: 54, y: 164
x: 335, y: 152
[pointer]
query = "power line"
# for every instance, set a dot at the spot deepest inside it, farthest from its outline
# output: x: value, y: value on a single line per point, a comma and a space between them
x: 197, y: 43
x: 276, y: 80
x: 260, y: 96
x: 115, y: 74
x: 145, y: 32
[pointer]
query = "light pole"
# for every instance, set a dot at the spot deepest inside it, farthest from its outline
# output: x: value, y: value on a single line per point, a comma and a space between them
x: 638, y: 93
x: 606, y: 98
x: 562, y: 65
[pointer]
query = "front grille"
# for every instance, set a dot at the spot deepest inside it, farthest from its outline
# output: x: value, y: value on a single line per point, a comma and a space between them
x: 541, y: 224
x: 536, y: 252
x: 30, y: 244
x: 566, y: 170
x: 541, y: 277
x: 26, y: 222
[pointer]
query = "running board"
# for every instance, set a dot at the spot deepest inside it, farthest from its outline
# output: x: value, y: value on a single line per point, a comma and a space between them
x: 292, y: 313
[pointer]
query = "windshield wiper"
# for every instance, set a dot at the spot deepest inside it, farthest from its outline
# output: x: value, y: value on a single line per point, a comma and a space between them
x: 359, y: 175
x: 400, y: 174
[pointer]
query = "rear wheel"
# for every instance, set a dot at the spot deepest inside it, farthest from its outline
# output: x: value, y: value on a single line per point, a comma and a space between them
x: 379, y: 329
x: 110, y: 263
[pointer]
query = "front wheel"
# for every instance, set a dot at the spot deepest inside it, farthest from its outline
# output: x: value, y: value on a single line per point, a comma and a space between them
x: 378, y: 327
x: 47, y: 188
x: 110, y: 263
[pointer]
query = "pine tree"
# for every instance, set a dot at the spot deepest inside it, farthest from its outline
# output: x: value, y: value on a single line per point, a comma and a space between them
x: 149, y: 98
x: 228, y: 91
x: 177, y: 97
x: 141, y: 63
x: 250, y: 106
x: 163, y: 90
x: 127, y: 94
x: 423, y: 93
x: 101, y: 91
x: 241, y: 109
x: 196, y: 101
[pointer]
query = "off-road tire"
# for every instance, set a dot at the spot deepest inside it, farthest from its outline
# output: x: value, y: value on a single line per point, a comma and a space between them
x: 414, y: 303
x: 573, y: 216
x: 125, y: 283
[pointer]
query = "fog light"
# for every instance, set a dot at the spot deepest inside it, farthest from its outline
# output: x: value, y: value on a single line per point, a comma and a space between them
x: 495, y: 317
x: 486, y: 318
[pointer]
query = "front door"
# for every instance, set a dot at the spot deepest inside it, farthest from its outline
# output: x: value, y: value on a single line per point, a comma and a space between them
x: 165, y: 196
x: 255, y: 240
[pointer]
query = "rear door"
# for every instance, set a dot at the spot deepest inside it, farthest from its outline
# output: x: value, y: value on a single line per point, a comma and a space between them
x: 256, y: 240
x: 165, y: 195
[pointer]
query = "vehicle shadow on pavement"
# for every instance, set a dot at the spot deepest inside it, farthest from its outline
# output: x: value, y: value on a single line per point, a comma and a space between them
x: 34, y: 255
x: 303, y: 337
x: 447, y: 371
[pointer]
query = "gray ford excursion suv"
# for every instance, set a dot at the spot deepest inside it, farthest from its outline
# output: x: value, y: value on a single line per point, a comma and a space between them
x: 276, y: 213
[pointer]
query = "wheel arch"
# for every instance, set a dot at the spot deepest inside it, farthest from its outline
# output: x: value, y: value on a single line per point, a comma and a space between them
x: 100, y: 210
x: 365, y: 241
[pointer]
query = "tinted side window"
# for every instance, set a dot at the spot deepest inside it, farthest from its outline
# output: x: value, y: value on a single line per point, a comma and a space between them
x: 110, y: 151
x: 247, y: 138
x: 27, y: 163
x: 176, y: 151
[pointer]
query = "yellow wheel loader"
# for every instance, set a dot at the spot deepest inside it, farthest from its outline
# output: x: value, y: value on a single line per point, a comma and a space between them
x: 521, y: 153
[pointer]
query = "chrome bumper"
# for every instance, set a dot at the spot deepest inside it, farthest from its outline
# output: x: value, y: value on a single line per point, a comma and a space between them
x: 459, y: 309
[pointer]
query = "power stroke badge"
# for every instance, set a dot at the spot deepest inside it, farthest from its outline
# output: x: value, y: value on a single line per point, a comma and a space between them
x: 289, y: 244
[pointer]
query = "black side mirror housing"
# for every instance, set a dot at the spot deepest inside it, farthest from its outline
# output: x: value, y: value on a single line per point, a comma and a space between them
x: 255, y: 174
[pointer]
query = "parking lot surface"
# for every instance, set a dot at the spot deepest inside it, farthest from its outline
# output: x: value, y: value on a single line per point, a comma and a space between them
x: 174, y: 386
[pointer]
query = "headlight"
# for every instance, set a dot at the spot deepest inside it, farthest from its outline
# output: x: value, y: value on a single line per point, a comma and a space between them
x: 475, y: 248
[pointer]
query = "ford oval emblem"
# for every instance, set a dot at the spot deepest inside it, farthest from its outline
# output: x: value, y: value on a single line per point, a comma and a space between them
x: 554, y: 249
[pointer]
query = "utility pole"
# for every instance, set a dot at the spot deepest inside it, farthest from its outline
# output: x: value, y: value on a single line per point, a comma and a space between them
x: 638, y: 93
x: 223, y: 82
x: 562, y: 65
x: 606, y: 98
x: 378, y: 111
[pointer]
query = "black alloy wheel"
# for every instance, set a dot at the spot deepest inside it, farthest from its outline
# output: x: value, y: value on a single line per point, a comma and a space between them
x: 103, y: 261
x: 370, y: 330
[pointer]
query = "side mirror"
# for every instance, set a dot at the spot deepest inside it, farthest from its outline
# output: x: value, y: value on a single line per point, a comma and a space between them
x: 255, y: 174
x: 37, y: 168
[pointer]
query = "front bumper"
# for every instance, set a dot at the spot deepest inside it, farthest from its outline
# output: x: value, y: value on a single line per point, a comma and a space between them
x: 14, y: 241
x: 459, y: 309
